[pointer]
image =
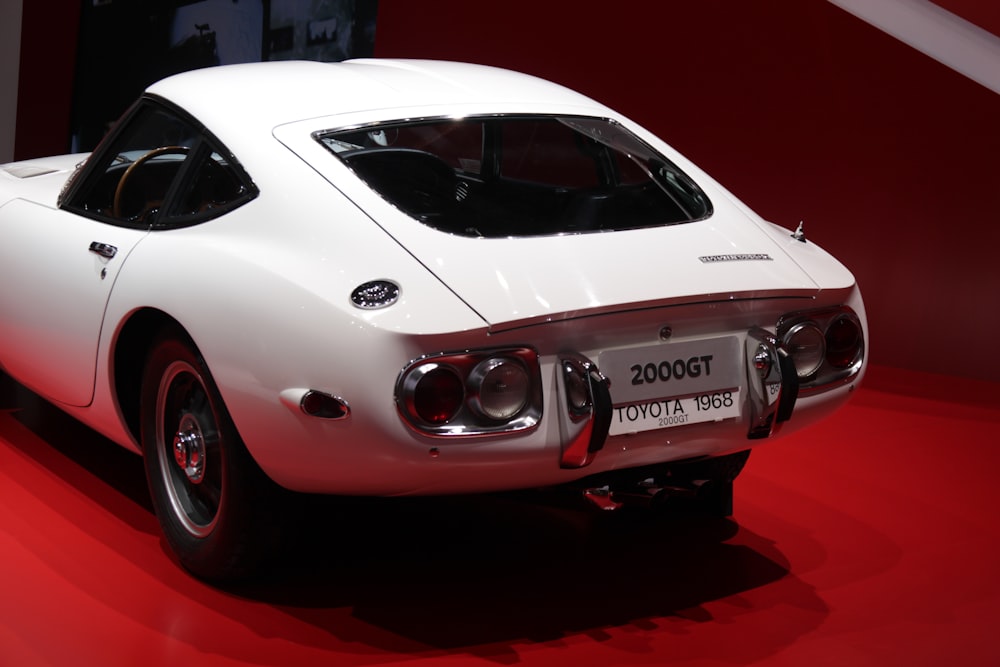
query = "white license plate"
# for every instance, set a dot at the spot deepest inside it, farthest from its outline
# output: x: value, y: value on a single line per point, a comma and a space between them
x: 668, y: 412
x: 686, y: 368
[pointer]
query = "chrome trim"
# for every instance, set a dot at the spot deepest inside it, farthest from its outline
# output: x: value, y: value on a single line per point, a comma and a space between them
x: 105, y: 250
x: 771, y: 382
x: 825, y: 378
x: 800, y: 232
x: 414, y: 120
x: 806, y: 295
x: 375, y: 294
x: 741, y: 257
x: 295, y: 399
x: 189, y: 449
x: 467, y: 422
x: 341, y: 409
x: 584, y: 424
x: 478, y: 376
x: 800, y: 328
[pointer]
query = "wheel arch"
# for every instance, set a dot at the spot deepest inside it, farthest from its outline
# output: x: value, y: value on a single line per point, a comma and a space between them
x: 132, y: 346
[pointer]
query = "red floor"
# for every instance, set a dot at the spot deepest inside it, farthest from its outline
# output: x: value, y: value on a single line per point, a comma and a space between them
x: 869, y: 540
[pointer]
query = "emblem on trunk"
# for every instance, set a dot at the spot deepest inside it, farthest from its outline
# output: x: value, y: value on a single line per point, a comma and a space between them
x: 742, y: 257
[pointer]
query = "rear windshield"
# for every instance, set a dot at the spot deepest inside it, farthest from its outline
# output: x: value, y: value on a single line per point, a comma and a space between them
x: 502, y: 176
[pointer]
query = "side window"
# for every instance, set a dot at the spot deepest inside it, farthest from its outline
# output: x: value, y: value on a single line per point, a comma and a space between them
x: 214, y: 187
x: 128, y: 180
x: 159, y: 169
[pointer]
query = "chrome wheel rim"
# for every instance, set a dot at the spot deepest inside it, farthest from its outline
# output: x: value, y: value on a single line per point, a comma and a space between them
x: 188, y: 445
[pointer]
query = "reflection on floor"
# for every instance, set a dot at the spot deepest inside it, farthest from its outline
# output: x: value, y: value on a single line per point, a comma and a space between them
x: 867, y: 540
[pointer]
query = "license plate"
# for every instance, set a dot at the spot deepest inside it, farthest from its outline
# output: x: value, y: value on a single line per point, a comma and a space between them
x: 674, y: 384
x: 666, y: 413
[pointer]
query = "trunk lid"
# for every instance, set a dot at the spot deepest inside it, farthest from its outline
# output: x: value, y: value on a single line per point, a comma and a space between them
x: 512, y: 282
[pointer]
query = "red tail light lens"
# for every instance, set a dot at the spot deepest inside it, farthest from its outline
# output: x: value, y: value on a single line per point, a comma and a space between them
x: 438, y: 395
x: 843, y: 342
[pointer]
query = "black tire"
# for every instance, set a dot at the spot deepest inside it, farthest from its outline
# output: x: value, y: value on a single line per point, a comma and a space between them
x: 216, y: 508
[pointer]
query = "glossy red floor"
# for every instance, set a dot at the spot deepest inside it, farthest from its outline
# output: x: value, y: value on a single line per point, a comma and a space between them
x: 869, y: 540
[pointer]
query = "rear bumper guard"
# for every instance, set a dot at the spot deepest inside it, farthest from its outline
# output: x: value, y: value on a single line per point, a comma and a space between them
x: 772, y: 382
x: 586, y: 407
x: 585, y: 417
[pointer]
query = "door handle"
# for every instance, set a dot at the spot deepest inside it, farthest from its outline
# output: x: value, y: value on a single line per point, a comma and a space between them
x: 103, y: 249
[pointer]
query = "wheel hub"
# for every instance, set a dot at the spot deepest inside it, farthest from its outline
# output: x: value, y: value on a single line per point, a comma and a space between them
x: 189, y: 449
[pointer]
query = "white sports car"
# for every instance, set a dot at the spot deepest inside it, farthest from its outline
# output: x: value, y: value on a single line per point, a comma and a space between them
x: 407, y: 277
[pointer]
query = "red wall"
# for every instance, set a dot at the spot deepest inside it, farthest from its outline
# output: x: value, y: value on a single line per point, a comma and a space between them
x: 805, y: 113
x: 802, y: 110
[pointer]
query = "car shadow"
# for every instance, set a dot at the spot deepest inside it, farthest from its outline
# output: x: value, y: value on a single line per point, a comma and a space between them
x: 478, y: 570
x: 476, y: 573
x: 115, y: 473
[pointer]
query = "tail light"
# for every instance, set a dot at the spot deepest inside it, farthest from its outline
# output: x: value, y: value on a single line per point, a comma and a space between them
x: 437, y: 393
x: 826, y: 346
x: 501, y: 388
x: 471, y: 393
x: 807, y: 345
x: 844, y: 342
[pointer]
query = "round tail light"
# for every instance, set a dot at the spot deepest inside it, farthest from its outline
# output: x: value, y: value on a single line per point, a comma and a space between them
x: 843, y: 342
x: 807, y: 346
x: 438, y: 394
x: 501, y: 388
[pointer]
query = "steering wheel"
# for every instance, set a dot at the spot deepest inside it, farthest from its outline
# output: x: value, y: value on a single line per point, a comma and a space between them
x: 116, y: 208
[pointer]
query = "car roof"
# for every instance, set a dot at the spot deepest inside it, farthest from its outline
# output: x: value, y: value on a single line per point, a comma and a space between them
x: 261, y: 96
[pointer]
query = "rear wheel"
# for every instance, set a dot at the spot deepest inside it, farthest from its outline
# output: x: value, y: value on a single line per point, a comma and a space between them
x: 215, y: 506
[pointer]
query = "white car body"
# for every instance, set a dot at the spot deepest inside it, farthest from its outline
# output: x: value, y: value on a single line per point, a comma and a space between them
x: 264, y: 292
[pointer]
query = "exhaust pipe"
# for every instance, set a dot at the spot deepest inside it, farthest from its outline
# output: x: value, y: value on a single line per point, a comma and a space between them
x: 647, y: 493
